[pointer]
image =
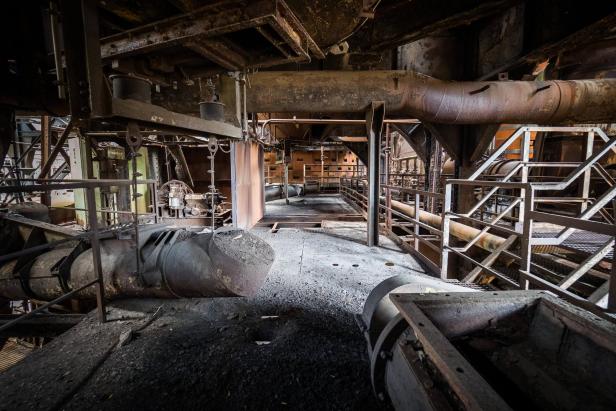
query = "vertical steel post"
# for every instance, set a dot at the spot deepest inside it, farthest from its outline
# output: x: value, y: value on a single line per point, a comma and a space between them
x: 388, y: 216
x: 527, y: 235
x: 611, y: 297
x: 96, y: 253
x: 585, y: 192
x: 322, y: 168
x: 444, y: 230
x: 154, y: 199
x: 99, y: 95
x: 387, y: 156
x: 525, y: 157
x: 374, y: 127
x: 45, y: 154
x: 416, y: 218
x: 286, y: 182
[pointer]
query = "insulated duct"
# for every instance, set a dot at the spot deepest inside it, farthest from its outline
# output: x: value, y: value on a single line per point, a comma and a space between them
x: 175, y: 263
x: 431, y: 100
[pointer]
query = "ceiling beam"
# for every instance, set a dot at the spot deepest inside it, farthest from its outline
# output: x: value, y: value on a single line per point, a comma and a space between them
x: 219, y: 52
x: 396, y: 28
x: 209, y: 21
x: 598, y: 30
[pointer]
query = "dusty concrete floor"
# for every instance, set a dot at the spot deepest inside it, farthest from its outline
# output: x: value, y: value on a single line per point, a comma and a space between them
x: 294, y: 345
x: 313, y: 207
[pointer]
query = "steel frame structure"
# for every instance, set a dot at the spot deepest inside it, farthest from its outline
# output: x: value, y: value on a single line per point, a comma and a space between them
x: 514, y: 222
x: 526, y: 202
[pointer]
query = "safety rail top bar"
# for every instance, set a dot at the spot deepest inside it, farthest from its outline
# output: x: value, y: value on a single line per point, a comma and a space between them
x: 503, y: 147
x: 70, y: 184
x: 412, y: 191
x: 572, y: 223
x: 503, y: 184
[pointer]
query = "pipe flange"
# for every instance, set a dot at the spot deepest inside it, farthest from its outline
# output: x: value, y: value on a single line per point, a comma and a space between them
x: 373, y: 327
x: 382, y: 353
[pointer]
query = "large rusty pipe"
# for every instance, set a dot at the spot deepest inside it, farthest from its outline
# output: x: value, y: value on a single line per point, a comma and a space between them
x: 431, y: 100
x: 487, y: 241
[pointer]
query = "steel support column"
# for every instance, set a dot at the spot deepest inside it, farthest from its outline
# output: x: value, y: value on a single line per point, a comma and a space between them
x: 374, y: 128
x: 96, y: 254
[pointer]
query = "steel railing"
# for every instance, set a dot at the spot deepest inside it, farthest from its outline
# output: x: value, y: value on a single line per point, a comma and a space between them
x: 512, y: 208
x: 93, y: 235
x: 524, y: 221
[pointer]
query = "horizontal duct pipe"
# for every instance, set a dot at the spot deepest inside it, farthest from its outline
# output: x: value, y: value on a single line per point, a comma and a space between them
x: 431, y: 100
x: 175, y: 264
x: 487, y: 241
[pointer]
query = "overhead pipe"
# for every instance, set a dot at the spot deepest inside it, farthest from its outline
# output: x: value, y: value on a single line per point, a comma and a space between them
x: 431, y: 100
x: 175, y: 264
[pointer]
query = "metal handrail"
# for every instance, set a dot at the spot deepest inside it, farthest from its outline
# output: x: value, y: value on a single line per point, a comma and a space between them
x: 527, y: 200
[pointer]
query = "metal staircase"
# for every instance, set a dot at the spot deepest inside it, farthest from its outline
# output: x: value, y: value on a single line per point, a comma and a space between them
x: 533, y: 215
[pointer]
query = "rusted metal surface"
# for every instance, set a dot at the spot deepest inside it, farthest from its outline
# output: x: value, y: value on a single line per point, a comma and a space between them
x: 272, y: 21
x: 329, y: 21
x: 432, y: 100
x: 160, y: 118
x: 402, y: 22
x: 131, y: 87
x: 493, y: 350
x: 379, y: 310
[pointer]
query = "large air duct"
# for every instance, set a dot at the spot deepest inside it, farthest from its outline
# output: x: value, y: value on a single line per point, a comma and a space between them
x: 431, y: 100
x: 174, y: 263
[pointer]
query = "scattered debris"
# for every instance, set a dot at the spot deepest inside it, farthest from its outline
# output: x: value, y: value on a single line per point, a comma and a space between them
x: 125, y: 338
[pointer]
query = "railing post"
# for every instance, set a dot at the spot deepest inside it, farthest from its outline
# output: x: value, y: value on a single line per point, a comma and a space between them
x: 444, y: 230
x: 611, y: 297
x: 388, y: 219
x: 527, y: 235
x: 590, y: 140
x: 525, y: 146
x: 96, y: 253
x: 416, y: 218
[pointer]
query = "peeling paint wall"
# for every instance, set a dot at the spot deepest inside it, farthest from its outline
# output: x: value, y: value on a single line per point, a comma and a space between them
x: 247, y: 184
